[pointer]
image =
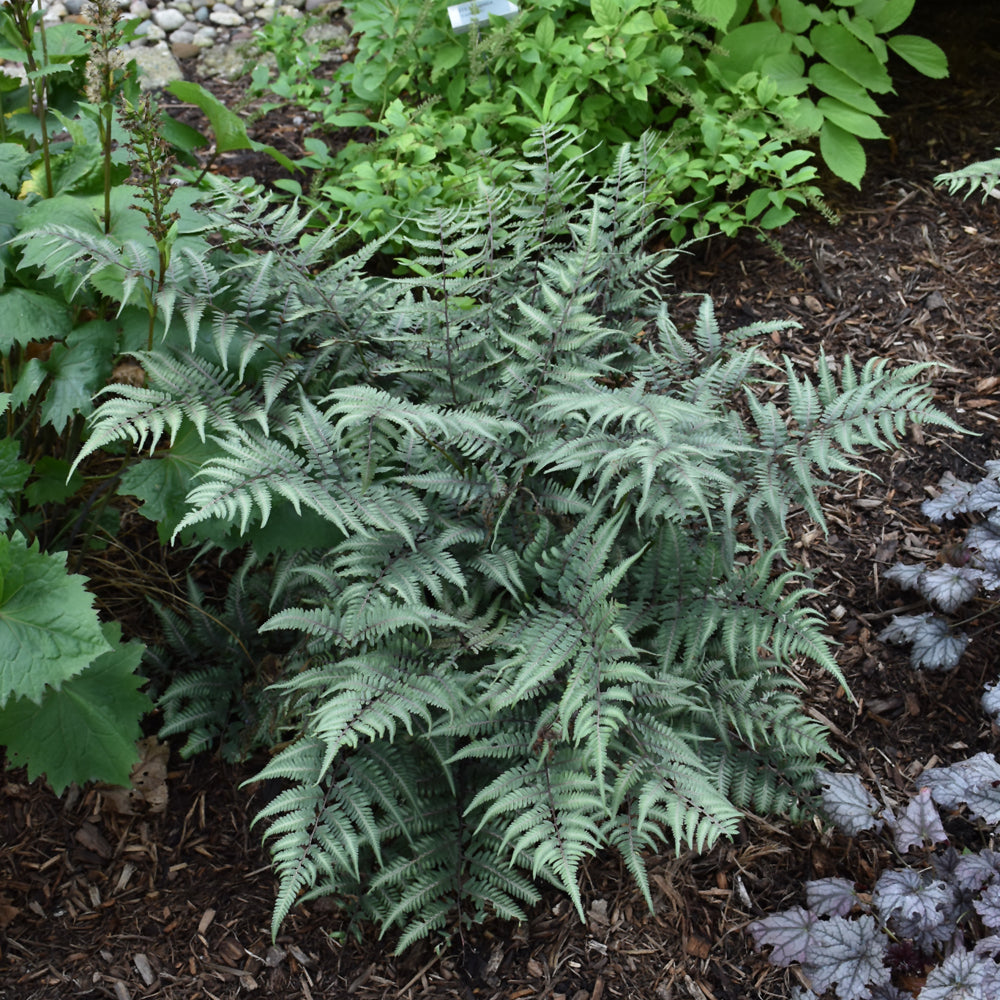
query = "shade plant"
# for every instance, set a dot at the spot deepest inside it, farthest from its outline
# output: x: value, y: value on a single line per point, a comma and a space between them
x: 541, y: 608
x: 742, y: 90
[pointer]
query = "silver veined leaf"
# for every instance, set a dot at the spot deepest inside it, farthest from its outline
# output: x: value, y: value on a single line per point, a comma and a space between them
x: 934, y: 646
x: 789, y: 933
x: 916, y: 906
x: 973, y: 871
x: 951, y: 786
x: 919, y: 825
x: 988, y: 906
x: 991, y: 701
x: 831, y: 897
x: 985, y: 495
x: 848, y: 804
x: 948, y: 587
x: 984, y: 539
x: 850, y: 953
x: 907, y: 577
x: 952, y: 500
x: 961, y: 976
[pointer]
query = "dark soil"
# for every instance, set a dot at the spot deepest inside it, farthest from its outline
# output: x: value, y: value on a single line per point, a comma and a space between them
x: 177, y: 905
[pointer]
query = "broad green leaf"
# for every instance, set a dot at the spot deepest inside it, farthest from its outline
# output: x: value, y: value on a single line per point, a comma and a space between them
x: 795, y: 16
x: 787, y: 71
x: 746, y: 46
x: 606, y: 13
x: 831, y: 81
x: 841, y: 49
x: 545, y: 32
x: 49, y: 629
x: 14, y: 159
x: 51, y: 481
x: 76, y: 370
x: 892, y: 14
x: 13, y: 475
x: 719, y: 11
x: 229, y: 130
x: 87, y: 730
x: 842, y: 153
x: 163, y: 482
x: 26, y: 316
x: 861, y: 125
x: 923, y: 55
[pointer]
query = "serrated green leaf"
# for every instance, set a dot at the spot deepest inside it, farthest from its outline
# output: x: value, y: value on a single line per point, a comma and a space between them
x: 163, y: 482
x: 26, y: 316
x: 855, y: 122
x: 13, y: 475
x: 831, y: 81
x: 14, y: 160
x: 842, y: 153
x: 52, y: 482
x: 87, y: 730
x: 842, y: 50
x: 922, y: 54
x: 892, y: 15
x: 718, y: 11
x: 49, y: 629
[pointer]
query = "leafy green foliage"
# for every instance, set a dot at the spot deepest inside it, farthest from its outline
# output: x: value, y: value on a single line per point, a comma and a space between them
x: 546, y: 616
x: 69, y: 706
x: 215, y: 667
x: 84, y: 728
x: 737, y: 91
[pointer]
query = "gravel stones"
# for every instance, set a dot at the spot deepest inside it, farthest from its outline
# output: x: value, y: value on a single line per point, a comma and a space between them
x: 172, y: 30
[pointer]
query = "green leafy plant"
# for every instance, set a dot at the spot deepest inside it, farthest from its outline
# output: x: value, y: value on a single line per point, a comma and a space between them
x: 69, y: 699
x: 216, y: 669
x: 737, y: 89
x: 546, y: 614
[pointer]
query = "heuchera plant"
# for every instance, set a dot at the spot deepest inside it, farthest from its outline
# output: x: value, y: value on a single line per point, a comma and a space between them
x: 930, y: 927
x: 974, y: 566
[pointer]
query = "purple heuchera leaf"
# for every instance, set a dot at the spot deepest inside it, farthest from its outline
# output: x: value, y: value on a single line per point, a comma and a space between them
x: 988, y: 906
x: 850, y: 953
x: 985, y: 495
x: 984, y: 539
x: 847, y: 803
x: 831, y: 896
x: 908, y: 577
x: 889, y: 992
x: 949, y: 587
x: 934, y: 646
x: 954, y: 494
x: 788, y: 932
x: 991, y: 701
x: 961, y: 976
x: 973, y: 871
x: 917, y: 907
x: 975, y: 781
x: 920, y: 824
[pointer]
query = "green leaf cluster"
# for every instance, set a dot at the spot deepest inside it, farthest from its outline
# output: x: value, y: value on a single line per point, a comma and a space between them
x: 69, y: 699
x: 740, y: 90
x: 548, y: 612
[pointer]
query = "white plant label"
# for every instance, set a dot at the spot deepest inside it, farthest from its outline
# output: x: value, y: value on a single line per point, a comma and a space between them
x: 463, y: 14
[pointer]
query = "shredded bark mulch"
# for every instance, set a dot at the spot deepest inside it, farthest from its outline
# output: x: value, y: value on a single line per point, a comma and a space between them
x: 105, y: 898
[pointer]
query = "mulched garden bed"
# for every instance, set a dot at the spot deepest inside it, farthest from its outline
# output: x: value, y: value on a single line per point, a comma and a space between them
x: 176, y: 904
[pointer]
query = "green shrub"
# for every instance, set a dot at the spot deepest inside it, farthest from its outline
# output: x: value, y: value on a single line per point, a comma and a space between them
x: 541, y: 610
x: 739, y: 90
